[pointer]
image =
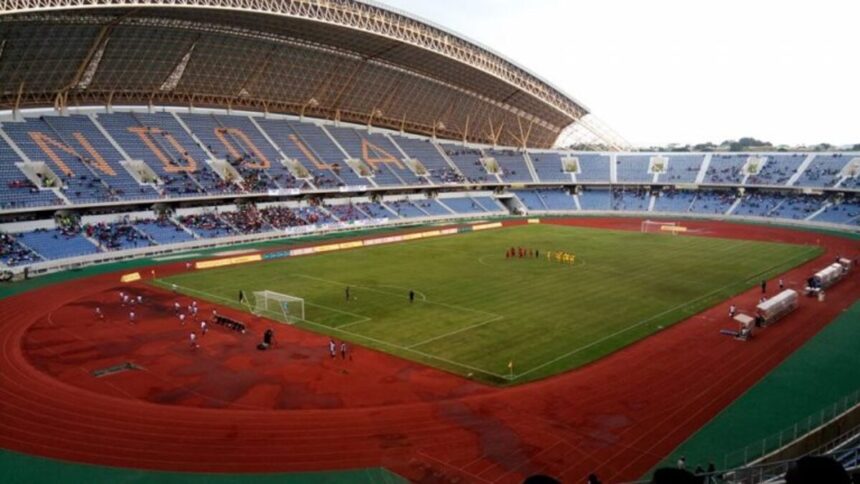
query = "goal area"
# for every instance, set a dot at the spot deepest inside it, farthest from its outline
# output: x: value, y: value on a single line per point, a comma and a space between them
x: 281, y: 307
x: 654, y: 227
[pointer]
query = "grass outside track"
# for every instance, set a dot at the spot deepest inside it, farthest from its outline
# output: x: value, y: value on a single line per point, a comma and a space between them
x: 475, y: 311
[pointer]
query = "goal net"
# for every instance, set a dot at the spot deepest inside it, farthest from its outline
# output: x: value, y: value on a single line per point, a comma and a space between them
x: 650, y: 226
x: 282, y: 307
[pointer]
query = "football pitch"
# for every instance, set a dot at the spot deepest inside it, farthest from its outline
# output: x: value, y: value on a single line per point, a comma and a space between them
x: 475, y: 311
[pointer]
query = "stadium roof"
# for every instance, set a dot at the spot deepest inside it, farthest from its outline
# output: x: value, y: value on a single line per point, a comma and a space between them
x: 338, y: 59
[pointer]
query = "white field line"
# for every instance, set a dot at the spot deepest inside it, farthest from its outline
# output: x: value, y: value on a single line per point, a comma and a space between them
x: 360, y: 317
x: 426, y: 301
x: 326, y: 328
x: 456, y: 331
x: 650, y: 318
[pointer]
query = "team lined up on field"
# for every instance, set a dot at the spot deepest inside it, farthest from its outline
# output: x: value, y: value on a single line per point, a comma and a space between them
x: 559, y: 256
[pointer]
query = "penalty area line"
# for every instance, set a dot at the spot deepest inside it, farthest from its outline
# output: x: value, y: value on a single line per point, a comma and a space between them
x: 327, y: 328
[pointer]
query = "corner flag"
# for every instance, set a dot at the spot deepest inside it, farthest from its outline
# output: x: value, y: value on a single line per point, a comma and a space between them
x: 511, y: 367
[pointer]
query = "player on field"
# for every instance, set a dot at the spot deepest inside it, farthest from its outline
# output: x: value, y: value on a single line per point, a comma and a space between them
x: 193, y: 340
x: 411, y: 296
x: 346, y: 293
x: 203, y: 328
x: 99, y: 312
x: 131, y: 317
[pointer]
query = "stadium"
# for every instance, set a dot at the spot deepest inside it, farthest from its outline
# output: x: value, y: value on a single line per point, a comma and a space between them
x: 329, y: 241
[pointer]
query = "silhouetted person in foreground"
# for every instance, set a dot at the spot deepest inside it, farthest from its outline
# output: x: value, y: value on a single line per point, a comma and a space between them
x: 816, y: 470
x: 540, y: 479
x: 668, y: 475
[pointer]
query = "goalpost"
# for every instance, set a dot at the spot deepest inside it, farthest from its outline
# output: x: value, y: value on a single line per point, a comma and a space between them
x: 651, y: 226
x: 282, y: 307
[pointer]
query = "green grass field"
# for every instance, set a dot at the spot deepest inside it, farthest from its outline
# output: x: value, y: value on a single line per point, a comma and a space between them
x: 475, y: 310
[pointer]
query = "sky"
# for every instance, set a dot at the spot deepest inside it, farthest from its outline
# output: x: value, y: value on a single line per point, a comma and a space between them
x: 683, y: 71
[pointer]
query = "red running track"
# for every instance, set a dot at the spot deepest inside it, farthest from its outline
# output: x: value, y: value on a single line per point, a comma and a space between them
x: 295, y: 409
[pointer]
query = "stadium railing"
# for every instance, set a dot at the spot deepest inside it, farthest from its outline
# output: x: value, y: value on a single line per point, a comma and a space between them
x: 759, y: 450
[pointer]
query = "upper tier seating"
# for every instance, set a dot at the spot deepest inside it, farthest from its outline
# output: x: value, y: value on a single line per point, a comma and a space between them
x: 512, y: 164
x: 549, y: 167
x: 428, y: 154
x: 726, y: 169
x: 468, y: 161
x: 80, y: 133
x: 378, y: 153
x: 593, y: 168
x: 16, y: 190
x: 633, y: 168
x: 317, y: 142
x: 681, y: 168
x: 245, y: 150
x: 823, y: 171
x: 159, y: 141
x: 777, y: 169
x: 81, y: 183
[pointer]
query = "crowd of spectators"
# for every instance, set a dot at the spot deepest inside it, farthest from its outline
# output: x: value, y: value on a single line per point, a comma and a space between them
x: 247, y: 219
x: 12, y: 253
x: 206, y: 224
x: 117, y: 236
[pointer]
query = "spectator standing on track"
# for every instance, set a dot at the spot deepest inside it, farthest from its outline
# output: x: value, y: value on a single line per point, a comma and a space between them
x: 99, y: 314
x: 176, y: 307
x: 193, y: 339
x: 711, y: 473
x: 140, y: 299
x: 343, y: 350
x: 332, y: 348
x: 763, y: 286
x: 131, y: 317
x: 182, y: 319
x: 781, y: 284
x: 732, y: 311
x: 682, y: 463
x: 203, y: 328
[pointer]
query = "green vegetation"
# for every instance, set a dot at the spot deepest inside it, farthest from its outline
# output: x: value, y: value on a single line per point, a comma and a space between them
x: 475, y: 311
